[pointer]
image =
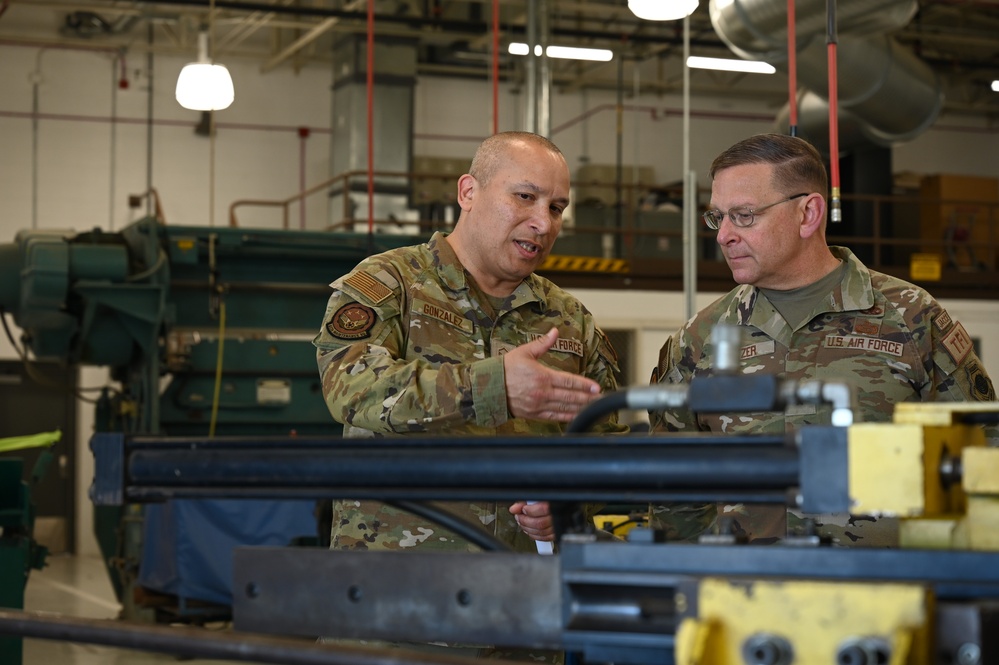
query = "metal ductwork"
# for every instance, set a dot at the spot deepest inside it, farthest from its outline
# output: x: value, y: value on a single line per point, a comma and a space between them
x: 886, y: 94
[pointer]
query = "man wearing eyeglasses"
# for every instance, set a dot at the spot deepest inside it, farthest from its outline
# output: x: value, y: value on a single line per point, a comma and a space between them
x: 807, y: 311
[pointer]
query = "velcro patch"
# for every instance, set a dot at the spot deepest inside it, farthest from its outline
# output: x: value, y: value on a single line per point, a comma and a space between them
x: 981, y: 386
x: 368, y: 286
x: 442, y: 314
x: 573, y: 346
x: 942, y: 321
x: 869, y: 327
x: 764, y: 348
x: 352, y: 321
x: 958, y: 343
x: 875, y: 344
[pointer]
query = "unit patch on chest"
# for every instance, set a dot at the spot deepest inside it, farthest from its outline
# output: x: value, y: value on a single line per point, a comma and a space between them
x: 352, y: 321
x: 442, y: 314
x: 857, y: 342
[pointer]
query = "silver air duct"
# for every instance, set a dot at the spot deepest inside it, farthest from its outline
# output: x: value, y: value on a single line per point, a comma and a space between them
x: 887, y: 94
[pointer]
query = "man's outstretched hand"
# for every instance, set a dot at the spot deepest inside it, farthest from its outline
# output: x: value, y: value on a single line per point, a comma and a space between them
x: 542, y: 393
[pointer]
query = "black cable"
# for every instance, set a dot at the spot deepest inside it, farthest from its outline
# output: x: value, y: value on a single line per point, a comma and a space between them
x: 33, y: 373
x: 593, y: 411
x: 452, y: 522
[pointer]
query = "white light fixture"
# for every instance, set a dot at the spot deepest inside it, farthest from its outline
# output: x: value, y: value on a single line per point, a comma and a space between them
x: 730, y: 65
x: 565, y: 52
x: 662, y: 10
x: 204, y: 85
x: 995, y: 85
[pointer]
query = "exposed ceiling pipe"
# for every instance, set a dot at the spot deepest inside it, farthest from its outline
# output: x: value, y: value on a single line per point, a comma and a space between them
x: 889, y: 93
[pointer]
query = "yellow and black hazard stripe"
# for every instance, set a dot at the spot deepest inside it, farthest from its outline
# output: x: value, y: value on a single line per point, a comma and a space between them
x: 564, y: 263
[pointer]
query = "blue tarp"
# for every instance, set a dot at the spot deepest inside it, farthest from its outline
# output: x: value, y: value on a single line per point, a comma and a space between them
x: 187, y: 544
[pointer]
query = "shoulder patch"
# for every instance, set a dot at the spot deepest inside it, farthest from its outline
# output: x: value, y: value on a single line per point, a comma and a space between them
x: 352, y: 321
x: 368, y: 286
x: 981, y: 385
x: 958, y: 343
x: 606, y: 343
x: 942, y: 321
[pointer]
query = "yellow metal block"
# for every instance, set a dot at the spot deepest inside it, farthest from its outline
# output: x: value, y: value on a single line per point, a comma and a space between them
x: 814, y: 619
x: 933, y: 534
x: 886, y: 469
x: 895, y: 469
x: 983, y: 523
x: 980, y: 470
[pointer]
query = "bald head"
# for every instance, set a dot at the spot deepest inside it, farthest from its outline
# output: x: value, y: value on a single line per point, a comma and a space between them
x: 491, y: 152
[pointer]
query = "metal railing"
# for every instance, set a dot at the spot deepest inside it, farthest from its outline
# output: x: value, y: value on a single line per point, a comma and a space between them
x: 888, y: 232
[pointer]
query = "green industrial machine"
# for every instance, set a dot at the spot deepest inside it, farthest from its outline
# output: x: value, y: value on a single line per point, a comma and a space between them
x: 19, y: 553
x: 205, y: 331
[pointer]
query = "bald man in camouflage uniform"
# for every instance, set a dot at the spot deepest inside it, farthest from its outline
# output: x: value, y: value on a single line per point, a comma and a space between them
x: 459, y: 337
x: 806, y: 311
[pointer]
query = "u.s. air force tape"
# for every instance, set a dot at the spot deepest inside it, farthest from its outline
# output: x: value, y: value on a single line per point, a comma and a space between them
x: 352, y: 321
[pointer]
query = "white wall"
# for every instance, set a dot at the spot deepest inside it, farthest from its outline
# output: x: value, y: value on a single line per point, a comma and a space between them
x: 74, y: 166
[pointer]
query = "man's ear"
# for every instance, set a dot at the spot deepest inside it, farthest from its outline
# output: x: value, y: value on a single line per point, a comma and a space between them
x: 467, y: 185
x: 814, y: 218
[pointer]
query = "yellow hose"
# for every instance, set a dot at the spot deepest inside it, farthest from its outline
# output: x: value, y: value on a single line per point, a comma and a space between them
x: 218, y: 370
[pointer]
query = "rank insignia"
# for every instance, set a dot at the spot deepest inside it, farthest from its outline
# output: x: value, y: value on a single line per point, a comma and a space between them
x: 867, y: 327
x: 352, y: 321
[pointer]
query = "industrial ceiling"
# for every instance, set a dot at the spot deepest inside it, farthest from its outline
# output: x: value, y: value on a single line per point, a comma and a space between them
x: 957, y: 39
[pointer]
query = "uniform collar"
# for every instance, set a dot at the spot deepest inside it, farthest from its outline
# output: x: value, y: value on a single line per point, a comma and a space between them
x: 452, y: 274
x: 854, y: 293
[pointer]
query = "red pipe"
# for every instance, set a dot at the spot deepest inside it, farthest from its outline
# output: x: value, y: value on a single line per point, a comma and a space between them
x: 792, y: 69
x: 496, y: 15
x: 371, y: 113
x: 835, y: 212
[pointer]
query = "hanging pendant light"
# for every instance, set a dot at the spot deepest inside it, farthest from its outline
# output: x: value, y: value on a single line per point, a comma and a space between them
x: 662, y: 10
x: 204, y: 85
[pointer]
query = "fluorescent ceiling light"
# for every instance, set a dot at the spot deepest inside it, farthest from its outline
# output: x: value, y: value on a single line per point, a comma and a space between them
x: 565, y: 52
x: 662, y: 10
x: 578, y: 53
x: 995, y: 85
x: 203, y: 85
x: 730, y: 65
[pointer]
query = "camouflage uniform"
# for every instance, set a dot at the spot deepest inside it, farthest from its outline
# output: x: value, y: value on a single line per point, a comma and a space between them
x: 888, y: 338
x: 410, y: 345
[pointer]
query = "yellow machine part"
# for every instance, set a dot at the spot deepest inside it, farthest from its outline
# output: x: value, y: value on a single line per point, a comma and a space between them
x: 899, y: 469
x: 895, y: 469
x: 805, y: 622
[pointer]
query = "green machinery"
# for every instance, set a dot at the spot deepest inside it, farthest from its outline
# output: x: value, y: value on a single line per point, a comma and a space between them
x: 205, y: 331
x: 19, y: 552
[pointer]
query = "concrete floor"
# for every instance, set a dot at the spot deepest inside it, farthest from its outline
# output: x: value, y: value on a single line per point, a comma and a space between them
x: 78, y: 586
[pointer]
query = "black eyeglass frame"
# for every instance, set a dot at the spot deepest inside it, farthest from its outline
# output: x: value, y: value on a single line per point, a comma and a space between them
x: 714, y: 218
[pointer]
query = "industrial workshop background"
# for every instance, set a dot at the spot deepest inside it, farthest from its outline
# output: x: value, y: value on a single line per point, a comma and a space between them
x: 92, y: 137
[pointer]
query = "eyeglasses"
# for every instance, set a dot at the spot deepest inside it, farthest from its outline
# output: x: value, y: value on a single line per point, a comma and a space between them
x: 741, y: 216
